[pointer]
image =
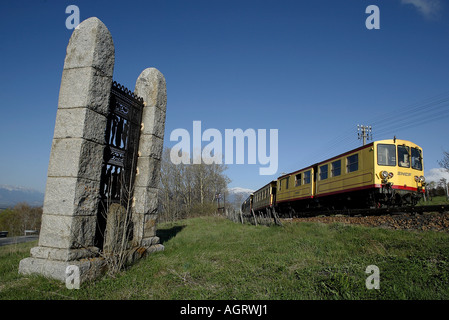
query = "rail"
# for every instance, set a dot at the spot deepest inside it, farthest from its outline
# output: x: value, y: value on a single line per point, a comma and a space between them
x: 377, y: 211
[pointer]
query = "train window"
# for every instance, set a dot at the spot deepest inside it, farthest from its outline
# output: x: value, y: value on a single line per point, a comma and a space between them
x: 403, y: 156
x: 416, y: 159
x: 336, y: 168
x: 323, y: 172
x: 284, y: 183
x: 307, y: 177
x: 386, y: 154
x: 352, y: 163
x: 298, y: 180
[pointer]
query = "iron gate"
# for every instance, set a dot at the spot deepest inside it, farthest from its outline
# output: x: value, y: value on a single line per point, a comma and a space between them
x: 120, y: 154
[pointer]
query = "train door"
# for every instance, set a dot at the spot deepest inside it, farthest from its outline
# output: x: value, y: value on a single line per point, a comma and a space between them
x: 314, y: 173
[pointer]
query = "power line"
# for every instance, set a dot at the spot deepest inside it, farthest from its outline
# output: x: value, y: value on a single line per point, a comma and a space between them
x: 415, y: 114
x: 419, y: 113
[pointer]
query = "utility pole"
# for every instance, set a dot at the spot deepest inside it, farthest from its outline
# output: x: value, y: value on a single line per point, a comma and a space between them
x: 364, y: 133
x: 218, y: 196
x: 444, y: 182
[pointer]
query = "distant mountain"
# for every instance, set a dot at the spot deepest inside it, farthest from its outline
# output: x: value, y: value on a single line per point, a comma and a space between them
x: 238, y: 190
x: 238, y: 194
x: 11, y: 195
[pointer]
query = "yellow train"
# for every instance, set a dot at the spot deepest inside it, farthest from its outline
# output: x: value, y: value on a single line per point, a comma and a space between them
x: 382, y: 173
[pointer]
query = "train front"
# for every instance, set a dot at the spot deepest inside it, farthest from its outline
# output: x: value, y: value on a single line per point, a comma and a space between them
x: 399, y: 172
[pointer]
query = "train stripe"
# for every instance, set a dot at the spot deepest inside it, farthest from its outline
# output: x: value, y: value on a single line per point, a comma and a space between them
x: 371, y: 186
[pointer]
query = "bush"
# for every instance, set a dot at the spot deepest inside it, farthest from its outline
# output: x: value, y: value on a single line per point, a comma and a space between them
x: 205, y: 209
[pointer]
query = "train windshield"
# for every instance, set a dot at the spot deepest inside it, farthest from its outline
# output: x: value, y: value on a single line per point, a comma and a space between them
x: 386, y: 154
x: 403, y: 156
x: 416, y: 159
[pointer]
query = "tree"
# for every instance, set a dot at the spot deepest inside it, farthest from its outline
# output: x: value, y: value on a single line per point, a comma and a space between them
x: 189, y: 189
x: 444, y: 163
x: 20, y: 218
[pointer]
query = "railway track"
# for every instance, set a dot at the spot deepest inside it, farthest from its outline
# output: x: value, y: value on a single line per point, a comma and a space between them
x: 421, y: 218
x: 429, y: 217
x: 371, y: 212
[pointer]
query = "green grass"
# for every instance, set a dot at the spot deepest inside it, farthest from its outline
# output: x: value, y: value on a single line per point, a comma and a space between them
x: 213, y: 258
x: 434, y: 201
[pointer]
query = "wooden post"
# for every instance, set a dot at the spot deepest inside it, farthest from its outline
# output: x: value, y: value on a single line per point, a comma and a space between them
x: 255, y: 220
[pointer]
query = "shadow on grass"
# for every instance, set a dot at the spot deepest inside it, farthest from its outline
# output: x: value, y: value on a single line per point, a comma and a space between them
x: 166, y: 234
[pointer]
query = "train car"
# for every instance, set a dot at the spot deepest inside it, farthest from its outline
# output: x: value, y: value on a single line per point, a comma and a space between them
x: 342, y: 181
x: 295, y: 190
x: 247, y: 204
x: 382, y: 173
x: 398, y: 172
x: 264, y: 198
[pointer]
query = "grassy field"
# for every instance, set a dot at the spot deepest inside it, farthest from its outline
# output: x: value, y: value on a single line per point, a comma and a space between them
x: 434, y: 201
x: 213, y: 258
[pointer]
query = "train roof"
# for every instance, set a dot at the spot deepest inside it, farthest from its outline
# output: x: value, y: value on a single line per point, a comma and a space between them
x: 397, y: 141
x: 272, y: 181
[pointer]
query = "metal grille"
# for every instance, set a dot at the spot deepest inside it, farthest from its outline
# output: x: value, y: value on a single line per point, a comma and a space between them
x: 122, y: 140
x: 120, y: 154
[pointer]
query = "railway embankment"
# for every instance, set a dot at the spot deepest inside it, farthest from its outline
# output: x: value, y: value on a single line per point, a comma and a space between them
x: 428, y: 221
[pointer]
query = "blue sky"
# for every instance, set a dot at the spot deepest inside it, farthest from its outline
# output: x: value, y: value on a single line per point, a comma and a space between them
x: 310, y: 69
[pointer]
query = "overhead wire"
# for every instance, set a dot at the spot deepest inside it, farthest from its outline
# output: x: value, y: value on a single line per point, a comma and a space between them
x: 426, y: 111
x: 406, y: 115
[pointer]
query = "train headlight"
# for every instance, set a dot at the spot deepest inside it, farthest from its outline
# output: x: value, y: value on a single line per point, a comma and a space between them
x: 416, y: 178
x: 384, y: 174
x: 422, y: 179
x: 390, y: 175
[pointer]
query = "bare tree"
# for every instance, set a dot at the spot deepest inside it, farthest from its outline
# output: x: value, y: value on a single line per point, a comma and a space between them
x: 444, y: 163
x: 20, y: 218
x: 189, y: 189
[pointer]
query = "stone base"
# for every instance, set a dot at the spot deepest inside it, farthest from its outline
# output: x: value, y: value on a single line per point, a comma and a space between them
x: 89, y: 268
x: 58, y: 254
x: 140, y: 252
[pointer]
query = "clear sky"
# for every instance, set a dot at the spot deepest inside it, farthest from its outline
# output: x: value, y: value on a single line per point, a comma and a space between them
x: 310, y: 69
